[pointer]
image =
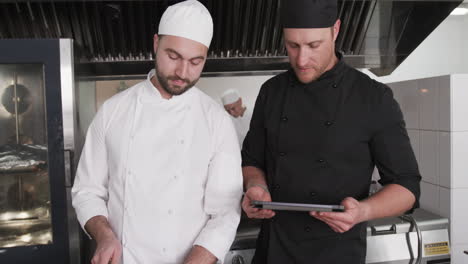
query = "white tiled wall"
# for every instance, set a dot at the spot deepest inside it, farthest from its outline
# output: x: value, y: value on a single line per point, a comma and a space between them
x: 429, y: 156
x: 444, y: 103
x: 459, y: 217
x: 428, y: 90
x: 429, y: 199
x: 436, y: 112
x: 444, y: 202
x: 409, y: 102
x: 445, y: 164
x: 459, y: 102
x: 457, y: 255
x: 414, y: 136
x: 460, y: 160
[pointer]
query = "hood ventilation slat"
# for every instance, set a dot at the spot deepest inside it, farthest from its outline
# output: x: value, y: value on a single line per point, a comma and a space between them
x: 116, y: 37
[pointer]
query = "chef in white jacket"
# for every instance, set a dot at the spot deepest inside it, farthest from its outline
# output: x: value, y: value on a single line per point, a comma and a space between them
x: 159, y: 180
x: 239, y: 113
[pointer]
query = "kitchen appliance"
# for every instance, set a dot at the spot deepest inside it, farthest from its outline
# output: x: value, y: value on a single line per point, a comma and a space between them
x: 36, y: 144
x: 419, y: 238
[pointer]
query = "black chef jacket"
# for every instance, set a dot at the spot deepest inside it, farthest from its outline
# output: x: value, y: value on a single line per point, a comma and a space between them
x: 318, y: 143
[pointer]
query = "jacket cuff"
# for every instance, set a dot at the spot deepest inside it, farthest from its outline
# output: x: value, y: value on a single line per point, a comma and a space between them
x: 86, y: 211
x: 217, y: 241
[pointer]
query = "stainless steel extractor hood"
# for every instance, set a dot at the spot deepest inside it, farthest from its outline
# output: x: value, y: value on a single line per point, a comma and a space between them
x: 115, y: 37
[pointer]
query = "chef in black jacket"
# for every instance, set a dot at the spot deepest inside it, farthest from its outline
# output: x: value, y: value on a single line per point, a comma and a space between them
x: 316, y: 134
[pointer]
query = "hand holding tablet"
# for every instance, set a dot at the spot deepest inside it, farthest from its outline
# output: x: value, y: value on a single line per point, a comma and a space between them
x: 297, y: 207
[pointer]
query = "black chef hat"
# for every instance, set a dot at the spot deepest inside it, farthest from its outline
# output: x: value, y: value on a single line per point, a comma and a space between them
x: 308, y: 13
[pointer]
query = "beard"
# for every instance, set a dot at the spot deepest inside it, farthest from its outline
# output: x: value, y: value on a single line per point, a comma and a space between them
x: 307, y: 78
x: 174, y: 89
x: 317, y: 69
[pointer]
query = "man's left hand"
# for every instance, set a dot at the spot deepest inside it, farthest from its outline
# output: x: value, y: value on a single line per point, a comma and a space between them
x: 355, y: 212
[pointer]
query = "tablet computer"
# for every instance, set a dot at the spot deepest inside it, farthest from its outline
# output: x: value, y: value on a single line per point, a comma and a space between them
x: 297, y: 206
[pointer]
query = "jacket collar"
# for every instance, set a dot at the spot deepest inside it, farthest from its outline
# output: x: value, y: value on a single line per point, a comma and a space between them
x: 151, y: 95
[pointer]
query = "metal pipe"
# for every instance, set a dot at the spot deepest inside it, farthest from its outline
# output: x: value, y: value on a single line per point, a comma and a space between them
x: 346, y: 23
x: 414, y: 224
x: 370, y: 13
x: 349, y: 45
x: 57, y: 24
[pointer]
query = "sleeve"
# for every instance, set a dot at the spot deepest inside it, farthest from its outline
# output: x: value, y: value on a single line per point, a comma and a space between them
x: 89, y: 192
x: 391, y: 148
x: 253, y: 148
x: 223, y: 192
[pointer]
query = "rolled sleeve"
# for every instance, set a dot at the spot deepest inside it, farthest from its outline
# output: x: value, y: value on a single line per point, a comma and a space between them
x: 391, y: 147
x: 89, y: 192
x: 223, y: 193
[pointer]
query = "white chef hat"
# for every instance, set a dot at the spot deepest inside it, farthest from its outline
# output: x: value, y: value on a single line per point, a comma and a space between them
x: 188, y: 19
x: 230, y: 96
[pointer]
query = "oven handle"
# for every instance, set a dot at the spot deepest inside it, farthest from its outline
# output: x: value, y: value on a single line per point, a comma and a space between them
x: 68, y: 162
x: 390, y: 231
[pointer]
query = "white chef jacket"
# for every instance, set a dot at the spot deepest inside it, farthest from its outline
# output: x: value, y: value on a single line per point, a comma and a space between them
x: 241, y: 124
x: 166, y: 174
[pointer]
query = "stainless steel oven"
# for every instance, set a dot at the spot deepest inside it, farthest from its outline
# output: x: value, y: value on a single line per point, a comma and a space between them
x: 36, y: 146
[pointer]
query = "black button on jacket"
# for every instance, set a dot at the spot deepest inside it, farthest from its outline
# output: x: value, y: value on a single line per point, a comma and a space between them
x: 338, y: 128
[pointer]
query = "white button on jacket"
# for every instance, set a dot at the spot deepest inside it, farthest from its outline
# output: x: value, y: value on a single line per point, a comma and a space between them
x: 133, y: 159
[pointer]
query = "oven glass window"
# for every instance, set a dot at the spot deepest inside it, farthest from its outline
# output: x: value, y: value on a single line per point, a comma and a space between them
x: 25, y: 208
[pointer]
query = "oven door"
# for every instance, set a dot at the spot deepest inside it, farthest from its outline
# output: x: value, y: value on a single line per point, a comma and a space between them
x: 33, y: 201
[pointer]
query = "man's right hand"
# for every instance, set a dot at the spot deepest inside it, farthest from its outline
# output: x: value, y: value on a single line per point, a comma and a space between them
x: 256, y: 193
x: 108, y: 247
x: 108, y: 250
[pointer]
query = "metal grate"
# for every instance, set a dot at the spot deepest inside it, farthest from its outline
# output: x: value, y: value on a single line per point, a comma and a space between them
x: 123, y: 30
x: 376, y: 34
